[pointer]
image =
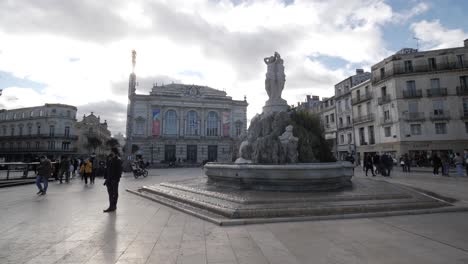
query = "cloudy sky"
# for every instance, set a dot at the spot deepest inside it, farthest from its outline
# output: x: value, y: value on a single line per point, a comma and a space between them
x: 78, y: 51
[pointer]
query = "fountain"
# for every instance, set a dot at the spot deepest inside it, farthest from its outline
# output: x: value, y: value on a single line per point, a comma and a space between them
x: 285, y: 172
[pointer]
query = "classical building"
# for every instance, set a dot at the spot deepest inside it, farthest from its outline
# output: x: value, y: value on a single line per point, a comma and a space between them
x: 416, y: 104
x: 91, y: 127
x: 344, y: 115
x: 26, y: 133
x: 189, y: 123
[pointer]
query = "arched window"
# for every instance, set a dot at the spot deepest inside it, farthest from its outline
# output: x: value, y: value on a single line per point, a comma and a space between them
x: 192, y: 123
x: 238, y: 128
x: 170, y: 126
x: 212, y: 124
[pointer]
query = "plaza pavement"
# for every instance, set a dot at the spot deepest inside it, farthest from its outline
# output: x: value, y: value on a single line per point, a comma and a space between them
x: 68, y: 226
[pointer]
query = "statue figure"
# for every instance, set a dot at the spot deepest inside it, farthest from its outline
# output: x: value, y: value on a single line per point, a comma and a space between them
x: 275, y: 77
x: 244, y: 151
x: 289, y: 144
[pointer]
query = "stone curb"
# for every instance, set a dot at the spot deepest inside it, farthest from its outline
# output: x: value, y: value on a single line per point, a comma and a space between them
x: 231, y: 222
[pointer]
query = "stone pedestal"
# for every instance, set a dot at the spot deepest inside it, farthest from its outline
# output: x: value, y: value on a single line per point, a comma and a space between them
x: 279, y: 105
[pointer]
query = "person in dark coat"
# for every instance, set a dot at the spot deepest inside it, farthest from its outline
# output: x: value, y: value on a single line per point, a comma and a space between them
x: 436, y: 163
x: 368, y: 165
x: 44, y: 170
x: 376, y: 162
x: 112, y: 178
x: 64, y: 169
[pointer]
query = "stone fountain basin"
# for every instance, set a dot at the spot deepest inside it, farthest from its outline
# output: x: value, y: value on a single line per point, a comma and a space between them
x: 283, y: 177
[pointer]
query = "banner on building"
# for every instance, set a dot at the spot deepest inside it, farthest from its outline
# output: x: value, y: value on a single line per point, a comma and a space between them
x: 226, y: 123
x: 156, y: 122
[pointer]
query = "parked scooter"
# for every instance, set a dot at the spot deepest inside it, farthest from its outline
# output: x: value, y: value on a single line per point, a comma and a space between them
x: 139, y: 171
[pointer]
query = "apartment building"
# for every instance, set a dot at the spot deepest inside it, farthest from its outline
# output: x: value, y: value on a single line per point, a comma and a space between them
x: 416, y: 104
x: 344, y: 115
x: 26, y: 133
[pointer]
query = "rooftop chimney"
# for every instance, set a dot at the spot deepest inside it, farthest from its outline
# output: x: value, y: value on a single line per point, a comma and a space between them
x: 359, y: 71
x: 466, y: 43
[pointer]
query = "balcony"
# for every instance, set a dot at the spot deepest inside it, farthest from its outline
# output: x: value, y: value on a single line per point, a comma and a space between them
x: 434, y: 92
x: 41, y: 136
x: 412, y: 94
x: 445, y: 115
x: 385, y: 99
x: 36, y: 150
x: 364, y: 118
x: 362, y: 98
x: 397, y: 70
x: 462, y: 90
x: 345, y: 125
x: 413, y: 116
x: 386, y: 121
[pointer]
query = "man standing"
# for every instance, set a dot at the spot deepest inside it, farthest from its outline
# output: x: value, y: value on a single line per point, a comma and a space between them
x: 112, y: 176
x: 64, y: 169
x: 44, y: 170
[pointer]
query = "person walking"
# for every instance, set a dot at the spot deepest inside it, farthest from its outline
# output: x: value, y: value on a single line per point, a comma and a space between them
x: 112, y: 179
x: 87, y: 170
x: 376, y: 162
x: 387, y: 161
x: 407, y: 161
x: 458, y: 160
x: 94, y: 167
x: 368, y: 165
x: 44, y: 170
x: 436, y: 164
x: 64, y: 169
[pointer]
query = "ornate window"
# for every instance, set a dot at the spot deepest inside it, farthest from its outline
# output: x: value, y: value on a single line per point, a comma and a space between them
x: 238, y: 128
x: 192, y: 123
x: 212, y: 124
x: 170, y: 126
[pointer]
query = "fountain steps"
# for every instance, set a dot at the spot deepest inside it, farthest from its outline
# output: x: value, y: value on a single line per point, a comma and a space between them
x: 224, y: 206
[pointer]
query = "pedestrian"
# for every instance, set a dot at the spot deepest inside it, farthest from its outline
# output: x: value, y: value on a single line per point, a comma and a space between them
x: 64, y: 169
x: 44, y: 170
x: 436, y: 164
x: 402, y: 164
x: 81, y: 171
x: 376, y: 162
x: 387, y: 164
x: 87, y: 170
x: 94, y: 167
x: 112, y: 178
x: 458, y: 160
x: 369, y: 165
x: 407, y: 161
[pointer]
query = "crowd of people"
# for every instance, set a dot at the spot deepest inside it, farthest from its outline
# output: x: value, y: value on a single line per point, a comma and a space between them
x: 440, y: 163
x: 378, y: 164
x: 88, y: 167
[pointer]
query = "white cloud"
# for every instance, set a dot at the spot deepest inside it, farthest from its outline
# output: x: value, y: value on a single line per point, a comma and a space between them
x: 81, y: 50
x: 435, y: 36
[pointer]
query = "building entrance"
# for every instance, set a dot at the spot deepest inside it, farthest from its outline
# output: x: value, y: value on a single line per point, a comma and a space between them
x: 169, y: 152
x: 192, y: 153
x: 212, y: 153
